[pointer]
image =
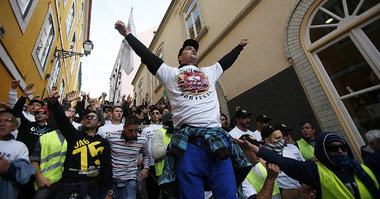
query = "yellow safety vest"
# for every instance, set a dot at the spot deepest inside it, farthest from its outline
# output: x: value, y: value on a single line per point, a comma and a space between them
x: 166, y: 140
x: 257, y: 182
x: 306, y: 149
x: 332, y: 187
x: 53, y: 155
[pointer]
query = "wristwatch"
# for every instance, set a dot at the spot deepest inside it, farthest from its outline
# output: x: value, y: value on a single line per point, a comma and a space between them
x: 110, y: 192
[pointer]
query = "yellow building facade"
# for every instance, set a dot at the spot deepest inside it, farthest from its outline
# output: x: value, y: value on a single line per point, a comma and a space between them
x: 31, y: 33
x: 307, y: 60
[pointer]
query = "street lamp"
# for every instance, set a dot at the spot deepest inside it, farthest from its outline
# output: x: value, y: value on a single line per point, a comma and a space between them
x: 87, y: 47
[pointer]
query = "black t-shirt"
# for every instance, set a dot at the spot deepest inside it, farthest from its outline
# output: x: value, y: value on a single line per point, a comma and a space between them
x: 87, y: 157
x: 143, y: 123
x: 30, y: 132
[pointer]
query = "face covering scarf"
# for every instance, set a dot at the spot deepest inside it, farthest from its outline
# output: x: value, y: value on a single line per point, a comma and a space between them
x: 346, y: 162
x: 276, y: 147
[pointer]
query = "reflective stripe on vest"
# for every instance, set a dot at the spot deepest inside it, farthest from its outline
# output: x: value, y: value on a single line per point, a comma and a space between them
x: 306, y: 149
x: 257, y: 182
x: 53, y: 154
x: 332, y: 187
x: 166, y: 140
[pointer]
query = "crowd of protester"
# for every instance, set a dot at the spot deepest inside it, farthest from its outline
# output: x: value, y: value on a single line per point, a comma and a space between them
x: 83, y: 147
x: 86, y: 147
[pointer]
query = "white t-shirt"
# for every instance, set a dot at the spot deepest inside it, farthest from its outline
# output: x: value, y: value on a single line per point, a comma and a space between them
x: 248, y: 189
x: 192, y: 94
x: 237, y: 133
x: 148, y: 132
x: 283, y: 180
x: 29, y: 116
x: 257, y: 135
x: 12, y: 149
x: 15, y: 133
x: 76, y: 125
x: 106, y: 122
x: 291, y: 151
x: 106, y: 130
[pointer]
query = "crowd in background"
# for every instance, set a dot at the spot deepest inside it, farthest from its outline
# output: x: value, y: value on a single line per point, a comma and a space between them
x: 90, y: 147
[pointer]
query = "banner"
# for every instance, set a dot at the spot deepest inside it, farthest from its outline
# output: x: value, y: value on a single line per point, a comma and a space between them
x: 126, y: 60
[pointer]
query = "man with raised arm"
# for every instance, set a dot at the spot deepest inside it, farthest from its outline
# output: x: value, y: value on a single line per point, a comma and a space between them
x: 87, y: 167
x: 201, y: 154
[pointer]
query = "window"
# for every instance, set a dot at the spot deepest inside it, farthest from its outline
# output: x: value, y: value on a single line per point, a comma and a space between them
x: 336, y: 14
x: 23, y: 10
x: 61, y: 90
x: 24, y: 6
x: 76, y: 86
x: 349, y: 60
x: 43, y: 47
x: 192, y: 19
x: 80, y: 34
x: 55, y: 74
x: 140, y: 91
x: 81, y: 11
x: 72, y: 46
x: 73, y: 66
x: 156, y: 82
x: 70, y: 20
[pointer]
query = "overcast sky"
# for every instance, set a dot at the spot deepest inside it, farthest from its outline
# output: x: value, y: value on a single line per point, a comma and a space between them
x: 97, y: 67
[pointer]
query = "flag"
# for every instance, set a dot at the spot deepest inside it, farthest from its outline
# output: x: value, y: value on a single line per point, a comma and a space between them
x: 166, y: 96
x: 126, y: 60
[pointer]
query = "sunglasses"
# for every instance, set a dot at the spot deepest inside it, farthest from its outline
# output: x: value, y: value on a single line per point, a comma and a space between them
x: 155, y: 113
x: 336, y: 147
x: 91, y: 117
x: 9, y: 120
x: 107, y: 110
x: 41, y: 112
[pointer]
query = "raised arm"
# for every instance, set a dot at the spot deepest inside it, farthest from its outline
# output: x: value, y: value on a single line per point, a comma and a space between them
x: 17, y: 109
x: 20, y: 102
x: 12, y: 95
x: 305, y: 172
x: 148, y: 58
x: 63, y: 123
x: 230, y: 58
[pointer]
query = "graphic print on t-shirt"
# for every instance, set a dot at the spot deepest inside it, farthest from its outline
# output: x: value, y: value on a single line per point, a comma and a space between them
x: 193, y: 82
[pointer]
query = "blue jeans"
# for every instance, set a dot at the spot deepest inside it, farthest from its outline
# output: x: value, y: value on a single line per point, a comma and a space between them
x: 85, y: 189
x: 124, y: 190
x: 199, y: 168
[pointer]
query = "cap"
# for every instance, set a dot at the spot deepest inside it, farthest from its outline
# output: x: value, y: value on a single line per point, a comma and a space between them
x: 47, y: 111
x: 263, y: 118
x: 333, y: 137
x: 153, y: 107
x: 107, y: 107
x: 250, y: 139
x: 35, y: 100
x: 189, y: 42
x: 242, y: 113
x: 88, y: 111
x: 167, y: 118
x: 282, y: 127
x: 66, y: 108
x: 266, y: 132
x: 10, y: 111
